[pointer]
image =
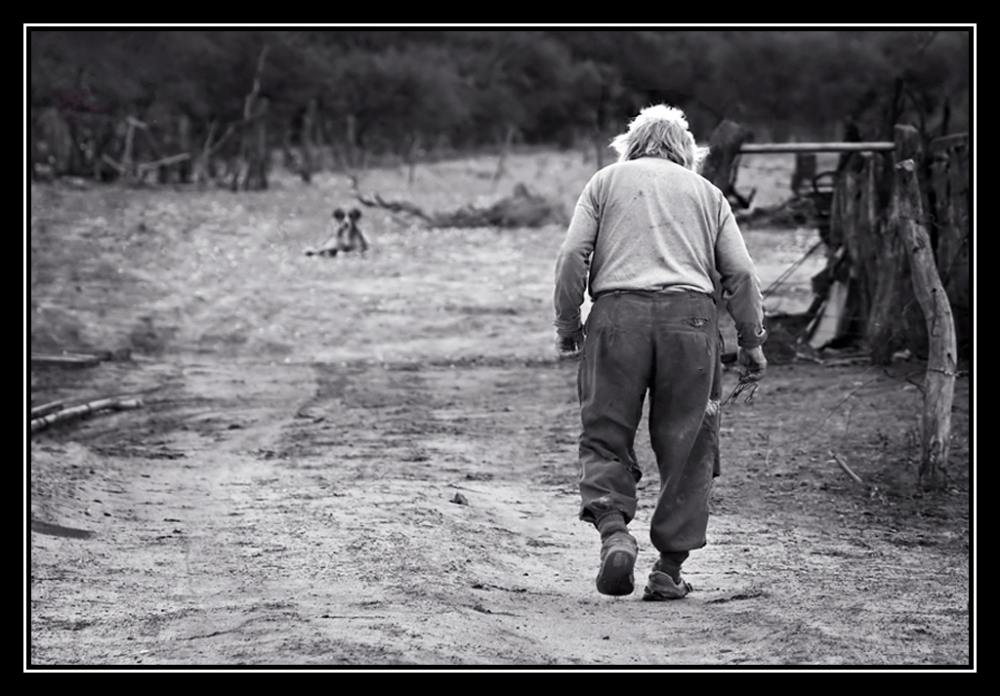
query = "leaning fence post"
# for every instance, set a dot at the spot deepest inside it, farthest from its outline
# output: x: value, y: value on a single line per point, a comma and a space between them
x: 950, y: 184
x: 939, y: 389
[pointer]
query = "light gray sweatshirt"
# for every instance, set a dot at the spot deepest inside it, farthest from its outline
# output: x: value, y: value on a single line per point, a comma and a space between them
x: 651, y: 224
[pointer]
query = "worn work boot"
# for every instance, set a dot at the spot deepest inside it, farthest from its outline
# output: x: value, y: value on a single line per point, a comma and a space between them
x: 662, y: 586
x: 618, y: 553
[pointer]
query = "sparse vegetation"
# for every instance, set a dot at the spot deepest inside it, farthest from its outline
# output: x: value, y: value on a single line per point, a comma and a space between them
x: 359, y: 96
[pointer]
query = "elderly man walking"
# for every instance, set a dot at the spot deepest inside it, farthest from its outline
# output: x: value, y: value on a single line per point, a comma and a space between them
x: 647, y: 237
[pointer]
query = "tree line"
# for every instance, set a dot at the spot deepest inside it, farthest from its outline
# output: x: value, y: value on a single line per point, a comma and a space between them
x: 101, y: 99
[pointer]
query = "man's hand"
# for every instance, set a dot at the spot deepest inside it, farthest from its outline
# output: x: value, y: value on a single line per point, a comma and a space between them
x: 570, y: 347
x: 751, y: 364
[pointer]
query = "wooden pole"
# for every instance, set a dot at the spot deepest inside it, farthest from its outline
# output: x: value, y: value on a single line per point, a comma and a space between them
x: 46, y: 409
x: 777, y: 148
x: 869, y: 228
x: 950, y: 183
x: 65, y: 360
x: 939, y: 389
x: 82, y: 410
x: 895, y: 320
x: 862, y: 233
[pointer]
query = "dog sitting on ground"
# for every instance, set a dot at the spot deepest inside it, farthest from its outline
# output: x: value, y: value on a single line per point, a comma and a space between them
x: 346, y: 235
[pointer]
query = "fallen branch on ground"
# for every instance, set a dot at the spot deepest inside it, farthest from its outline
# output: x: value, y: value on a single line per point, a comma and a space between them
x: 65, y: 360
x: 46, y: 409
x: 873, y: 491
x: 114, y: 403
x: 522, y: 209
x: 847, y: 470
x: 59, y: 530
x: 376, y: 201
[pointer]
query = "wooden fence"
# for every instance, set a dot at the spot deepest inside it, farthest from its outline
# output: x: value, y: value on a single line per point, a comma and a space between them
x: 881, y: 308
x: 899, y: 239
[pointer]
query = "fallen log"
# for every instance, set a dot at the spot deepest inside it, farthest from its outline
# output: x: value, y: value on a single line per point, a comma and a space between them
x: 376, y: 201
x: 114, y: 403
x: 64, y: 359
x: 774, y: 148
x: 59, y: 530
x: 522, y: 209
x: 46, y: 409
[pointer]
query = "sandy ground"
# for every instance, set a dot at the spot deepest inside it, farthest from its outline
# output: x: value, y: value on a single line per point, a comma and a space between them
x: 371, y: 462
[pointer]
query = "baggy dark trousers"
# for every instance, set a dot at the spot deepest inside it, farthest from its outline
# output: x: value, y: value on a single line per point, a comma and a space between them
x: 666, y: 344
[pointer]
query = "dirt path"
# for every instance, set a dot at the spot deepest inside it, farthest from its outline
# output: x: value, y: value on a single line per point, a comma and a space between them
x: 371, y: 462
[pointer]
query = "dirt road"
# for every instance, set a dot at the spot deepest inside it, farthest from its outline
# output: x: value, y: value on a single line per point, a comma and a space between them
x: 370, y: 462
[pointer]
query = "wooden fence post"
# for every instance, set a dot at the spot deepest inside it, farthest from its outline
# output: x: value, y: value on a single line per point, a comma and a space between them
x: 850, y: 191
x: 894, y: 321
x: 856, y: 223
x: 950, y: 184
x: 939, y: 389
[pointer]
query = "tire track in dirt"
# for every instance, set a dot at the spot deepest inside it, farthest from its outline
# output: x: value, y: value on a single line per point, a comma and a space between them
x: 320, y: 530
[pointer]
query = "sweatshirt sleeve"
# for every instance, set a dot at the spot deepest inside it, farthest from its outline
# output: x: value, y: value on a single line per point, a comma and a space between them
x: 573, y: 264
x: 740, y: 284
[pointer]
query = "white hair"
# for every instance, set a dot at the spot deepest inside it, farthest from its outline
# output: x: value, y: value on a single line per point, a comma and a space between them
x: 660, y: 131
